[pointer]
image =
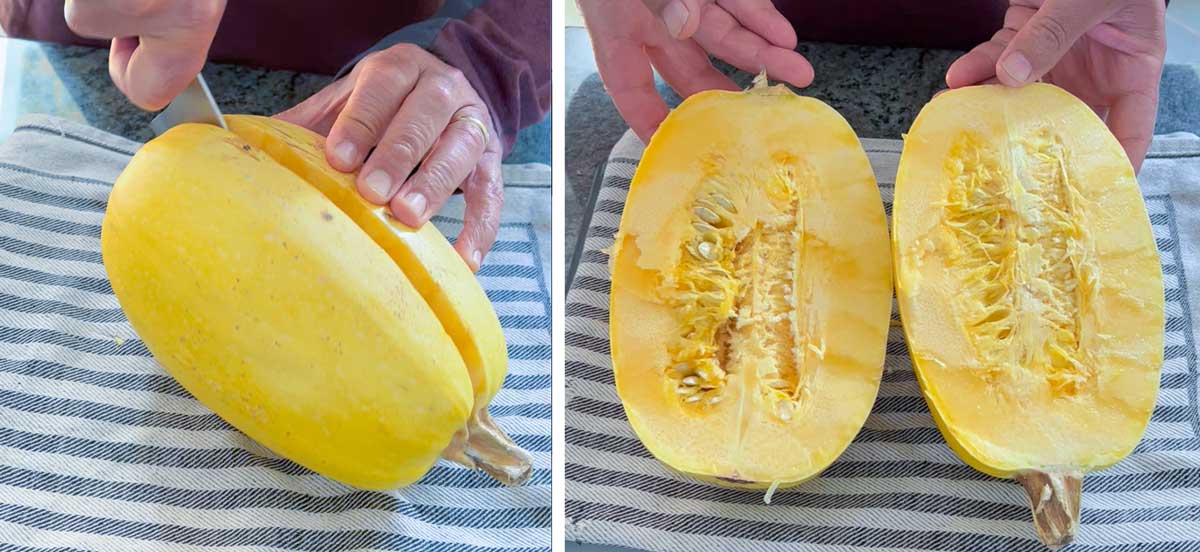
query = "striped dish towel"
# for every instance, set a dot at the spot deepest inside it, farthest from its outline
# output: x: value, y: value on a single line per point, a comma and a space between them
x: 898, y: 486
x: 101, y: 450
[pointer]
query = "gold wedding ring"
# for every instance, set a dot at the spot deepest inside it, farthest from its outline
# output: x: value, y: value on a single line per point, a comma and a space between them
x: 475, y: 121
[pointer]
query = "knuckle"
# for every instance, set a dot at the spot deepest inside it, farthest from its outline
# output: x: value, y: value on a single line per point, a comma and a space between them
x: 454, y: 75
x: 405, y: 150
x: 442, y: 89
x: 1054, y: 33
x: 359, y: 126
x: 437, y: 177
x: 495, y: 195
x: 403, y: 50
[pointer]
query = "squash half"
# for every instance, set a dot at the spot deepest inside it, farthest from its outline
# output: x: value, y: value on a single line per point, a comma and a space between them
x: 751, y: 287
x: 1029, y: 284
x: 306, y: 317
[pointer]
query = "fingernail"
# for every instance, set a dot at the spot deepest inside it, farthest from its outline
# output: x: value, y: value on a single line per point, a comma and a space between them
x: 675, y: 15
x: 380, y: 184
x: 415, y: 204
x: 1017, y: 67
x: 477, y: 259
x: 347, y: 154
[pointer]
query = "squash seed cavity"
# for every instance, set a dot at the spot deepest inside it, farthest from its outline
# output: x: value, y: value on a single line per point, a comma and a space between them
x: 1024, y: 257
x: 742, y: 298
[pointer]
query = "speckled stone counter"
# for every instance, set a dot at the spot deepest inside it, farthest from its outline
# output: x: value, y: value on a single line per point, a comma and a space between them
x: 73, y: 82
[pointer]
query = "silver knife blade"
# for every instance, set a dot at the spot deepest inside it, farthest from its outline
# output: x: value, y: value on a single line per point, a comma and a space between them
x: 194, y: 105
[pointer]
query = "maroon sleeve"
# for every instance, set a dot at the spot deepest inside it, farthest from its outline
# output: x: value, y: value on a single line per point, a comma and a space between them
x: 503, y: 47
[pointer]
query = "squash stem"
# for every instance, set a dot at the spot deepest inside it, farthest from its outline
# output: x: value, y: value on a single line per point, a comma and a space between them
x: 1054, y: 499
x: 483, y: 445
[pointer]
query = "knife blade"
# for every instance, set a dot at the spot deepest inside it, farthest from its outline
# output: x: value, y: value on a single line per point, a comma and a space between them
x: 194, y: 105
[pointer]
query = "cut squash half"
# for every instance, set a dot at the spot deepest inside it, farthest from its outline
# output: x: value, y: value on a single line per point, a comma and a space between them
x: 1030, y: 289
x: 751, y: 287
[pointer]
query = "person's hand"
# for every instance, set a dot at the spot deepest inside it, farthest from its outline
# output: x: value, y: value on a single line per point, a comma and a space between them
x: 676, y: 37
x: 417, y: 113
x: 158, y: 46
x: 1108, y: 53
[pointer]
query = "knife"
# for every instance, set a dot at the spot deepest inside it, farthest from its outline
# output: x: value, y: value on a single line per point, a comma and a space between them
x: 194, y: 105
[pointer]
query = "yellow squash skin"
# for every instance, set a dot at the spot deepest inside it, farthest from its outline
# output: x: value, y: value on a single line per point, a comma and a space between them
x: 434, y: 268
x: 798, y: 232
x: 306, y: 317
x: 233, y: 272
x: 427, y: 259
x: 1032, y: 305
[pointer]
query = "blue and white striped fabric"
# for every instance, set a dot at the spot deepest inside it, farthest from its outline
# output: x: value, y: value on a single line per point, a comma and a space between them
x: 101, y: 450
x: 898, y: 486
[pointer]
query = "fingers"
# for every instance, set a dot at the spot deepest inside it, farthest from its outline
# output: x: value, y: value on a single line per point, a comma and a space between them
x: 761, y: 17
x: 378, y: 91
x: 685, y: 66
x: 484, y: 195
x: 457, y: 152
x: 1131, y: 120
x: 159, y: 46
x: 424, y: 116
x: 723, y: 36
x: 1045, y: 37
x: 128, y: 18
x: 319, y: 111
x: 152, y: 71
x: 979, y: 64
x: 681, y: 17
x: 625, y: 69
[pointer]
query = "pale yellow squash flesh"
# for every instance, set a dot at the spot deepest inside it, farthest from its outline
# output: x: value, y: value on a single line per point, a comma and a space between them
x: 437, y: 325
x: 1029, y: 285
x: 751, y: 289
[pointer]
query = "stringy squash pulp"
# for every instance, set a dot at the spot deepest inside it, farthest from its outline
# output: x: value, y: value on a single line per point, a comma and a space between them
x: 751, y: 289
x: 303, y: 315
x: 1029, y: 284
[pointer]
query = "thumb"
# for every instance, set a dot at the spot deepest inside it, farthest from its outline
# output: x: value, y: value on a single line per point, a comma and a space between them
x: 152, y: 71
x: 682, y: 17
x: 1043, y: 40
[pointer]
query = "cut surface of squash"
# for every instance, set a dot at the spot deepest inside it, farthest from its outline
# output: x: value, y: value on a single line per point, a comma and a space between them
x: 751, y: 289
x: 1029, y: 285
x: 301, y: 314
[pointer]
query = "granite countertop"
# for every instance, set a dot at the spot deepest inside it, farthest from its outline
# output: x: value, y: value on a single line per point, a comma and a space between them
x: 73, y: 82
x: 879, y: 90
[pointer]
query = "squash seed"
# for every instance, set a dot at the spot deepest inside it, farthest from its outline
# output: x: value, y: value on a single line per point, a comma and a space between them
x: 724, y: 203
x: 707, y: 215
x: 692, y: 399
x: 714, y: 400
x: 691, y: 381
x: 784, y: 411
x: 707, y: 251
